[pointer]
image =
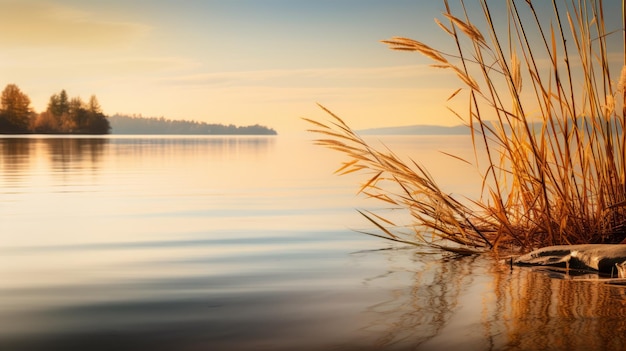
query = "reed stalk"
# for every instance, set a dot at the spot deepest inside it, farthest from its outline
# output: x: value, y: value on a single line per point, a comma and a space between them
x: 545, y: 109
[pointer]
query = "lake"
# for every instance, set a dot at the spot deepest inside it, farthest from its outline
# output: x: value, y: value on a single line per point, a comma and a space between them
x: 250, y: 243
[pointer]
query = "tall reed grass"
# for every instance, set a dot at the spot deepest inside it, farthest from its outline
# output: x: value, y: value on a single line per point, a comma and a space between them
x: 545, y: 110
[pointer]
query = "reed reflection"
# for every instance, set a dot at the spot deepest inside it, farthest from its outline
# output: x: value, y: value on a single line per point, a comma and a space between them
x: 542, y: 312
x: 476, y: 303
x: 421, y: 310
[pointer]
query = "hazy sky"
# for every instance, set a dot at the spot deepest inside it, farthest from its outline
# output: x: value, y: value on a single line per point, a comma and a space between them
x: 230, y: 61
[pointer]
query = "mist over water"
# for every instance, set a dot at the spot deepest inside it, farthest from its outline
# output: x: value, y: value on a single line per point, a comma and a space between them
x: 196, y: 243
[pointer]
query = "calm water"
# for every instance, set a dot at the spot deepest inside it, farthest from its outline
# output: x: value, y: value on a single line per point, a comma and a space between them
x: 210, y: 243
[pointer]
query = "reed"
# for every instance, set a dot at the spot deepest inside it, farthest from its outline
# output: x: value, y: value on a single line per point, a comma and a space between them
x: 544, y: 110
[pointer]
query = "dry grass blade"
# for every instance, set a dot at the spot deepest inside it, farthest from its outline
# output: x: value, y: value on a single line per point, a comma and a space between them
x: 378, y: 225
x: 342, y: 123
x: 469, y: 81
x: 454, y: 94
x: 382, y: 219
x: 469, y: 29
x: 345, y: 165
x: 516, y: 72
x: 456, y: 157
x: 353, y: 169
x: 622, y: 80
x: 381, y: 197
x: 370, y: 182
x: 408, y: 242
x: 400, y: 43
x: 442, y: 26
x: 319, y: 124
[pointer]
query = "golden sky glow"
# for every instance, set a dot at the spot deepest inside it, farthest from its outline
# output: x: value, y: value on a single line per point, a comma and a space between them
x: 48, y: 25
x: 239, y: 62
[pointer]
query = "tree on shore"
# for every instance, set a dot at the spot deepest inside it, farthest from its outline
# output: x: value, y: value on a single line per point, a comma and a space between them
x: 89, y: 117
x: 71, y: 116
x: 15, y: 110
x: 59, y: 104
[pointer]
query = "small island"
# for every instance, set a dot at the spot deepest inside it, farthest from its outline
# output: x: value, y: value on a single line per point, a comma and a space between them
x: 65, y: 115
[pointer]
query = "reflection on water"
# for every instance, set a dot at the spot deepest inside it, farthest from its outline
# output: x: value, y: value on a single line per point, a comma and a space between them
x: 479, y: 303
x: 66, y: 153
x: 196, y: 243
x: 15, y: 154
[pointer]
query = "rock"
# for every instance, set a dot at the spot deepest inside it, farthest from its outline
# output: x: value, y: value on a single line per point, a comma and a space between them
x: 603, y: 258
x: 621, y: 269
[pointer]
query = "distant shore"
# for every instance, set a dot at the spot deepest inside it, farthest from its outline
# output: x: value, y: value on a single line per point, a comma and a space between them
x: 160, y: 126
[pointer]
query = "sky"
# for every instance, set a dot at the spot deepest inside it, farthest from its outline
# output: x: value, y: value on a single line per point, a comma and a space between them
x: 232, y: 61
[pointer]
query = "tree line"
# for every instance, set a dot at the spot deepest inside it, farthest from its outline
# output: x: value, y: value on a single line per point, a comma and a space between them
x: 151, y: 125
x: 63, y: 115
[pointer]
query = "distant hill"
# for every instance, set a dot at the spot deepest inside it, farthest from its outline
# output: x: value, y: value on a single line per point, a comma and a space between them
x: 141, y: 125
x: 583, y: 123
x: 417, y: 130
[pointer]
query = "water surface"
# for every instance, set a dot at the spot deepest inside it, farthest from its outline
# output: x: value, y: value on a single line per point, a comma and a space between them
x: 197, y: 243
